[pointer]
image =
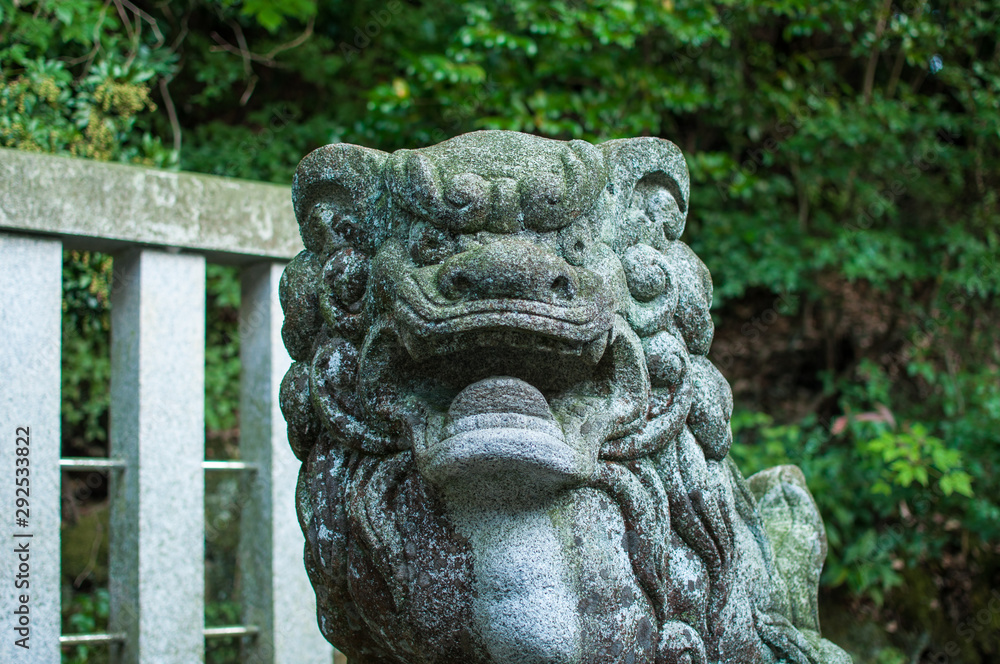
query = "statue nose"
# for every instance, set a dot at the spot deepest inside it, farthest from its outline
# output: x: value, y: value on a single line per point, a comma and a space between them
x: 508, y: 269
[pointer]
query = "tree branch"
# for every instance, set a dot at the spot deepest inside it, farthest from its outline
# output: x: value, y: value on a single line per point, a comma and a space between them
x: 897, y: 67
x: 266, y: 59
x: 298, y: 41
x: 149, y: 19
x: 883, y: 18
x: 175, y: 125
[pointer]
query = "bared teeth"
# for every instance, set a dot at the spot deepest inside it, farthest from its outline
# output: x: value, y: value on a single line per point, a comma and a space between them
x: 594, y: 350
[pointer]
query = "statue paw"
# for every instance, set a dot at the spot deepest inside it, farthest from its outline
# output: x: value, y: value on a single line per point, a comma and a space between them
x: 795, y: 528
x: 679, y: 644
x: 829, y: 652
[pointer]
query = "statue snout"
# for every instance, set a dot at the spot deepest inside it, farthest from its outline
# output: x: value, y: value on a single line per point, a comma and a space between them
x: 508, y: 268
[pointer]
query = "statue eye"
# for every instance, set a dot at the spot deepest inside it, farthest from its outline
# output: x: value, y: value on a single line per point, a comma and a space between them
x: 329, y: 226
x: 575, y: 241
x: 644, y: 271
x: 429, y: 244
x: 346, y: 275
x: 662, y: 208
x: 544, y: 201
x: 657, y: 210
x: 467, y: 189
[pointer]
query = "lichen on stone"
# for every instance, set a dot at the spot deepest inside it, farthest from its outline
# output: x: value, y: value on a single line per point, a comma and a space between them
x: 514, y: 446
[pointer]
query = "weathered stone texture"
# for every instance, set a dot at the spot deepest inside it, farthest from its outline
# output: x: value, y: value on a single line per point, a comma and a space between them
x: 514, y: 448
x: 30, y: 318
x: 111, y: 207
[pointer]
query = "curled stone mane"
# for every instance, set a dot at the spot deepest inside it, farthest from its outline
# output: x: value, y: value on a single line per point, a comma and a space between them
x: 514, y: 447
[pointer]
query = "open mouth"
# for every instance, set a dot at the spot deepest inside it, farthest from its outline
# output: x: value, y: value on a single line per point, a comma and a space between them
x: 507, y: 396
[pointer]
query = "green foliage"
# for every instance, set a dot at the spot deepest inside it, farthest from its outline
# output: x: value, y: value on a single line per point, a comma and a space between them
x: 100, y: 112
x: 87, y: 614
x: 894, y: 497
x: 86, y: 365
x: 225, y: 650
x: 273, y: 15
x: 912, y: 456
x: 891, y: 656
x: 222, y: 354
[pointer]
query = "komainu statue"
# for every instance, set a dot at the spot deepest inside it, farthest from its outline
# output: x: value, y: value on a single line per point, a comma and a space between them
x: 514, y: 449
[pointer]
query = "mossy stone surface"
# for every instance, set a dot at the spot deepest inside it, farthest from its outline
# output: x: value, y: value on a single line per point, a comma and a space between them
x: 514, y: 446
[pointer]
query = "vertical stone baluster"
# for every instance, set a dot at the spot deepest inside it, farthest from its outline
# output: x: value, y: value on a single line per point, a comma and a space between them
x: 157, y: 428
x: 277, y: 596
x: 30, y: 342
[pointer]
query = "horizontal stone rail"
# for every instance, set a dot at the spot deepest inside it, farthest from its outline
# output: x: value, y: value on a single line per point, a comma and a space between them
x: 162, y: 228
x: 109, y: 207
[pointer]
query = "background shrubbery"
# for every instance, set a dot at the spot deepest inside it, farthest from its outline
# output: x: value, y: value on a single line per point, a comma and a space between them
x: 845, y: 162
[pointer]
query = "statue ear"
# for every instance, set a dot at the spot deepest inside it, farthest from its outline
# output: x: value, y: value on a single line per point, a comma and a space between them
x: 649, y: 177
x: 336, y: 192
x: 650, y: 187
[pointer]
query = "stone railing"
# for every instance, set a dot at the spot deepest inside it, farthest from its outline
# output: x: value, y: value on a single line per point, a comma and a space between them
x: 162, y: 228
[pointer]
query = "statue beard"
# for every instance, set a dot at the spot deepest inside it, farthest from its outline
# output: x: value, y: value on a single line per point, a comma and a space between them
x: 387, y: 561
x: 384, y: 559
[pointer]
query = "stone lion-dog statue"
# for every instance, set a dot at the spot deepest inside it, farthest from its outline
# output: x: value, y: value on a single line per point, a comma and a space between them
x: 514, y: 448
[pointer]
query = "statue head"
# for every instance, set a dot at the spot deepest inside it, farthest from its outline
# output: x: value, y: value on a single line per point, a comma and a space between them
x: 514, y: 447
